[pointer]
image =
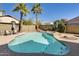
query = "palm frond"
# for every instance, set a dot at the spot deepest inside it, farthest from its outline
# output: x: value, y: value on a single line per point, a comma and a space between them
x: 16, y: 9
x: 21, y: 7
x: 36, y: 8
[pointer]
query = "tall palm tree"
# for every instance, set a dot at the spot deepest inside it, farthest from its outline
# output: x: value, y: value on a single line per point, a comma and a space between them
x: 37, y: 10
x: 21, y: 7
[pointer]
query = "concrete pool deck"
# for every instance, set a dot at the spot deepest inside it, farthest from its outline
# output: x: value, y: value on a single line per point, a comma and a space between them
x: 7, y: 38
x: 67, y: 37
x: 73, y: 43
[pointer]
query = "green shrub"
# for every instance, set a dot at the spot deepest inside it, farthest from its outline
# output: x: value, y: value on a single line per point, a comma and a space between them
x: 27, y: 22
x: 59, y: 25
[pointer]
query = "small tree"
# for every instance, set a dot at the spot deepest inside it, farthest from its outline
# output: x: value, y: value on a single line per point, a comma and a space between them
x: 59, y: 25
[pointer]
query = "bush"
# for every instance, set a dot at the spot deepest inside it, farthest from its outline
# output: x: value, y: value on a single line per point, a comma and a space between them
x: 60, y: 26
x: 27, y: 22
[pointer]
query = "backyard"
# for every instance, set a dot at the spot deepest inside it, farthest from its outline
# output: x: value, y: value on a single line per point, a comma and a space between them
x: 23, y: 33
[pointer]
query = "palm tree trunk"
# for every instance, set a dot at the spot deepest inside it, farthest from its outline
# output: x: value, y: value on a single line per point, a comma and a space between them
x: 20, y: 25
x: 36, y: 26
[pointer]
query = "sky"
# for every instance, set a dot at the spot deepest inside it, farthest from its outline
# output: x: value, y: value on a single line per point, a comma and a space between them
x: 50, y: 11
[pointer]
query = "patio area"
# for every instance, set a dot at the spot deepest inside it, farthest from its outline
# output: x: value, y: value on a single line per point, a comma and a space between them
x: 6, y: 39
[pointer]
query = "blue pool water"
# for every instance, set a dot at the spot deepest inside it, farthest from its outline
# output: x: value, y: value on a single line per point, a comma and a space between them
x: 37, y: 42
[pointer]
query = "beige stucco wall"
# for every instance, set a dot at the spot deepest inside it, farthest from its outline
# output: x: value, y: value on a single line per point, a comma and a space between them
x: 4, y: 27
x: 25, y: 28
x: 28, y: 28
x: 72, y: 29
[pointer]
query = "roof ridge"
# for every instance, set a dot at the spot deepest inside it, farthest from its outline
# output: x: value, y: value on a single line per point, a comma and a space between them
x: 74, y: 19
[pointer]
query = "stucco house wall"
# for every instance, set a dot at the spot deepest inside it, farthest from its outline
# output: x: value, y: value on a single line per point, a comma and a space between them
x: 72, y: 29
x: 6, y: 23
x: 73, y: 25
x: 4, y: 27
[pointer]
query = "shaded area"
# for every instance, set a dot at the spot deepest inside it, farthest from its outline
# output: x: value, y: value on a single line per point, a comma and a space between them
x: 74, y: 49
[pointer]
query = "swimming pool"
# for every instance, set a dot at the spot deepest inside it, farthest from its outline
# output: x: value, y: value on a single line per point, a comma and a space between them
x: 37, y: 42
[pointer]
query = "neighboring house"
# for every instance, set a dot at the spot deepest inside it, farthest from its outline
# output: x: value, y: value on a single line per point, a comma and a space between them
x: 6, y: 22
x: 73, y: 25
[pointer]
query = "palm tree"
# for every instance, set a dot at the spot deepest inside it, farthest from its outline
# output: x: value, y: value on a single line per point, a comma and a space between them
x: 36, y: 10
x: 21, y: 7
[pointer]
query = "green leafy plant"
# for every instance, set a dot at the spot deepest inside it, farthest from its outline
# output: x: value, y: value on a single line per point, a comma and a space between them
x: 59, y: 25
